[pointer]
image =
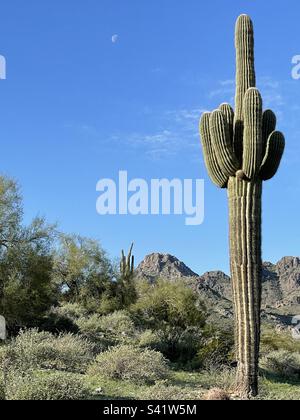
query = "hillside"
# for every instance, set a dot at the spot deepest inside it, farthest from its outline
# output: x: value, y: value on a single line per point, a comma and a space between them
x: 281, y: 285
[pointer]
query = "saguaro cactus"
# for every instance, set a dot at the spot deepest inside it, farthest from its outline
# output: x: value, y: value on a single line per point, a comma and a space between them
x: 241, y: 150
x: 127, y: 264
x: 127, y: 291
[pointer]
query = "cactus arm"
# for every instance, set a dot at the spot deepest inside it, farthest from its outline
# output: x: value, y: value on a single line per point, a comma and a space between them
x: 131, y: 248
x: 245, y: 70
x: 222, y: 144
x: 129, y: 262
x: 129, y: 256
x: 253, y: 153
x: 274, y: 152
x: 122, y: 262
x: 268, y: 126
x: 228, y: 113
x: 245, y: 75
x: 210, y: 158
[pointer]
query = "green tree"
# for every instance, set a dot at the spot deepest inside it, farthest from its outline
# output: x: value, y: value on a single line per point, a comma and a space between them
x: 11, y: 213
x: 26, y: 287
x: 84, y: 272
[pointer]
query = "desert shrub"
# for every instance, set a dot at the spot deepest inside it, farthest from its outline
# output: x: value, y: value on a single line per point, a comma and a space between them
x: 106, y: 331
x: 161, y: 391
x: 179, y: 345
x: 224, y: 377
x: 2, y: 388
x: 118, y: 324
x: 73, y: 311
x: 173, y: 312
x: 130, y: 363
x: 150, y: 339
x: 108, y: 304
x: 191, y: 348
x: 3, y: 350
x: 217, y: 349
x: 172, y: 303
x: 118, y: 328
x: 282, y: 363
x: 273, y: 340
x: 90, y: 329
x: 50, y: 386
x: 56, y: 324
x: 42, y: 350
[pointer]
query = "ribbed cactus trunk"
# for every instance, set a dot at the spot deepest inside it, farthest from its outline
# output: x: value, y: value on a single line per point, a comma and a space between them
x: 246, y: 267
x: 241, y: 150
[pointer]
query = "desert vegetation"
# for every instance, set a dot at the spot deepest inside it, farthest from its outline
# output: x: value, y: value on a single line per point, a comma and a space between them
x: 82, y: 327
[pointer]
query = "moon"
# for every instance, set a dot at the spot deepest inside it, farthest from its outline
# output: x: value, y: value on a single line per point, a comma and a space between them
x: 115, y: 38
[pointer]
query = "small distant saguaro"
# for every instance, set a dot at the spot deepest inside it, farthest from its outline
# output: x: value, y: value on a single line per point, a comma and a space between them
x: 241, y: 150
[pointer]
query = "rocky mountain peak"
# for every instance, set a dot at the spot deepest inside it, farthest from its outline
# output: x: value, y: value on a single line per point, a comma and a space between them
x: 281, y: 281
x: 164, y: 266
x: 288, y: 263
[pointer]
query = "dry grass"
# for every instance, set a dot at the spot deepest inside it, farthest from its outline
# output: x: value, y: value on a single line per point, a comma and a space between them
x: 217, y: 394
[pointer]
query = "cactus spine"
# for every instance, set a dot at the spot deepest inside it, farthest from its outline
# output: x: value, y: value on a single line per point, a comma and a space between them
x: 241, y: 150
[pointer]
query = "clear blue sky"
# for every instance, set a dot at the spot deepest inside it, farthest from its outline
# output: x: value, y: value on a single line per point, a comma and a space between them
x: 76, y: 108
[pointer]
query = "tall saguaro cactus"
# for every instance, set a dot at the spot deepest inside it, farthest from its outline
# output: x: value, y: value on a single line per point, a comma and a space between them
x: 241, y: 150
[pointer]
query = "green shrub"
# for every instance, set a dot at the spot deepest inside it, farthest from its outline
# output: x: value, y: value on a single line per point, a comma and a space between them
x: 73, y: 311
x: 118, y: 325
x: 217, y: 349
x: 172, y: 303
x: 41, y: 350
x: 274, y: 340
x: 109, y: 330
x: 108, y: 304
x: 2, y: 388
x: 3, y: 350
x: 180, y: 345
x: 282, y: 363
x: 90, y: 329
x: 173, y: 312
x: 50, y: 386
x: 150, y: 339
x: 56, y: 323
x: 130, y: 363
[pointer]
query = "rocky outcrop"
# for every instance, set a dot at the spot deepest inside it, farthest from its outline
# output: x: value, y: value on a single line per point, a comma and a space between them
x: 288, y: 271
x: 218, y: 282
x: 163, y: 266
x: 281, y: 282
